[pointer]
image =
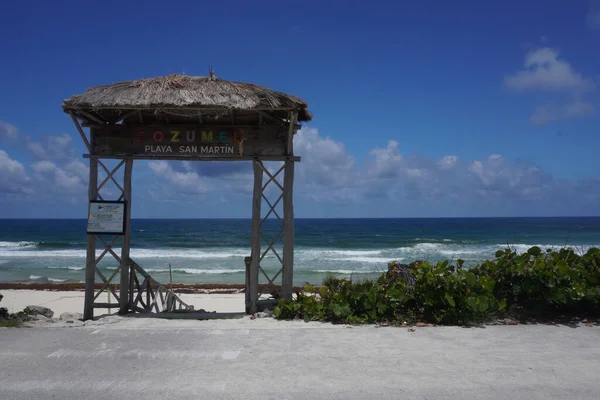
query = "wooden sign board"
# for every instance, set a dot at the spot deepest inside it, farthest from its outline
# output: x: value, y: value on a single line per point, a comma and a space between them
x: 106, y: 217
x: 194, y: 141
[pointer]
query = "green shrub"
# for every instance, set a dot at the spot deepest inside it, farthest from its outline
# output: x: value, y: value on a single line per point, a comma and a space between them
x: 3, y: 311
x: 15, y: 319
x: 548, y: 283
x: 341, y: 300
x: 538, y: 282
x: 449, y: 295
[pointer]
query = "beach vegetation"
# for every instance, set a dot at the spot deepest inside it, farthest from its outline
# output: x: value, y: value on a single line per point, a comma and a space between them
x: 13, y: 320
x: 534, y: 284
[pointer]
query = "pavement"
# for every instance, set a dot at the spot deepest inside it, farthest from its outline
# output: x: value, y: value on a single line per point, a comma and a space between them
x: 138, y: 358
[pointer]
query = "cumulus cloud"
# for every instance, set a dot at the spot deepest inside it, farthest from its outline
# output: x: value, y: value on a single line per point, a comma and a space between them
x: 593, y: 16
x: 188, y: 182
x: 328, y: 175
x: 13, y: 178
x: 55, y: 171
x: 325, y: 162
x: 8, y: 131
x: 578, y: 108
x: 542, y: 115
x: 58, y: 148
x: 552, y: 111
x: 68, y: 179
x: 545, y: 72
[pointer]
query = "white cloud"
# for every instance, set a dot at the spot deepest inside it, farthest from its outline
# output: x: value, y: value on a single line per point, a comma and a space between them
x: 448, y: 162
x: 542, y: 115
x: 546, y: 72
x: 593, y: 16
x: 186, y: 182
x: 578, y: 108
x: 8, y: 131
x: 13, y: 178
x: 387, y: 161
x: 56, y: 148
x: 329, y: 175
x: 70, y: 179
x: 325, y: 162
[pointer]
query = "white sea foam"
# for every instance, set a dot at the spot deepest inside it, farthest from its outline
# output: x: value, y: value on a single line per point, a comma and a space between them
x: 366, y: 259
x: 197, y: 271
x: 135, y: 253
x: 344, y: 271
x: 17, y: 245
x: 69, y: 268
x: 37, y: 277
x: 335, y: 252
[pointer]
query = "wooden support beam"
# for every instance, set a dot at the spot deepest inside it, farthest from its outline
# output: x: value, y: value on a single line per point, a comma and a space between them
x: 254, y: 264
x: 90, y: 262
x: 272, y: 176
x: 124, y: 296
x: 107, y: 248
x: 291, y: 131
x: 106, y: 285
x: 288, y: 239
x: 110, y: 175
x: 194, y: 158
x: 125, y: 116
x: 247, y: 262
x: 91, y: 117
x: 272, y: 209
x: 138, y: 298
x: 104, y: 305
x: 81, y: 132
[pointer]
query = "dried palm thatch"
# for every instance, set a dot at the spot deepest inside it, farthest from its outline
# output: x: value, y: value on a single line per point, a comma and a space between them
x: 183, y: 92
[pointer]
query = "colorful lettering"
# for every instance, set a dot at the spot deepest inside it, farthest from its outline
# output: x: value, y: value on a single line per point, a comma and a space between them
x: 207, y: 136
x: 157, y: 135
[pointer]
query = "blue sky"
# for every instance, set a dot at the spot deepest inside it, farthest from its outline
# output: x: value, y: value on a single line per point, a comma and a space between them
x: 428, y: 108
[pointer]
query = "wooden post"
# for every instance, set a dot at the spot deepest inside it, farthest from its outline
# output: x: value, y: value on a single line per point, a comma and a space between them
x: 288, y: 226
x: 290, y: 136
x: 287, y: 283
x: 124, y: 294
x: 247, y: 262
x: 256, y: 217
x: 90, y: 260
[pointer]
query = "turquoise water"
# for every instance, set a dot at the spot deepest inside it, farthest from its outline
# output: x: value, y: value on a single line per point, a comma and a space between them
x: 213, y: 251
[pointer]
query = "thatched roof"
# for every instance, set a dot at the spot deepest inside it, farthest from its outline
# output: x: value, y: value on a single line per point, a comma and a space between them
x: 185, y: 92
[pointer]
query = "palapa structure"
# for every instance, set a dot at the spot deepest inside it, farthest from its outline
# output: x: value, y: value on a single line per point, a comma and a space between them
x: 179, y: 117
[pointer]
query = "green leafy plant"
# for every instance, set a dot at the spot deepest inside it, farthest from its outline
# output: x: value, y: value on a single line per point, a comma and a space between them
x: 449, y: 295
x: 541, y: 282
x: 15, y: 319
x: 537, y: 282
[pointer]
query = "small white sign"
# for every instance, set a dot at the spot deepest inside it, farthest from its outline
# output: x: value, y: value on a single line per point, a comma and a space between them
x: 106, y: 217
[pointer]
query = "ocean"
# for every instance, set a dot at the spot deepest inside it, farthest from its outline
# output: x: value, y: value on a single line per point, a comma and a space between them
x: 213, y: 250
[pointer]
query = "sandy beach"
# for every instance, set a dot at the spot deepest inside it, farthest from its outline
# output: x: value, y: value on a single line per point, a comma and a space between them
x: 72, y: 301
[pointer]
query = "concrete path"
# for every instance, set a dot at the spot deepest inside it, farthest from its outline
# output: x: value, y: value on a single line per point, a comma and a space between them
x: 134, y: 358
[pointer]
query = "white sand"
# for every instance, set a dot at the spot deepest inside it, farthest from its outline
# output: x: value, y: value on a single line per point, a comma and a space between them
x: 72, y: 301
